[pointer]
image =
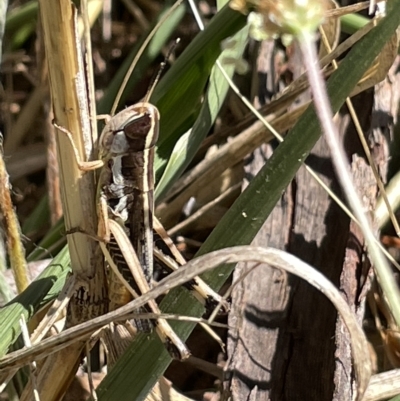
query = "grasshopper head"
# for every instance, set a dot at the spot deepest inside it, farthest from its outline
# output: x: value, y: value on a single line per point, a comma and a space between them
x: 141, y: 129
x: 132, y: 129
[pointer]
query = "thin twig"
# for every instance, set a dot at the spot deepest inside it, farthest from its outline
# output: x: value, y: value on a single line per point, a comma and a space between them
x: 339, y: 160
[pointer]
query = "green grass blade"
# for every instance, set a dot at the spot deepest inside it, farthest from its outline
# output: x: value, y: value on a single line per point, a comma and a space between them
x: 178, y: 94
x: 138, y: 370
x: 25, y: 14
x: 51, y: 244
x: 188, y: 144
x: 45, y: 288
x: 39, y: 218
x: 22, y: 35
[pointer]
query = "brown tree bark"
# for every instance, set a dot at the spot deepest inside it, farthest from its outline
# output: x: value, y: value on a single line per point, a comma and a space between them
x: 287, y: 343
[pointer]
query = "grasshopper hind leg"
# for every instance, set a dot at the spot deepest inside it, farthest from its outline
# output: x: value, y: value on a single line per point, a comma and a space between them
x: 119, y: 296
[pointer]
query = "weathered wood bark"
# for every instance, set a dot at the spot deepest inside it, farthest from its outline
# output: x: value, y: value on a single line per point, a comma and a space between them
x: 355, y: 282
x: 283, y: 345
x: 290, y: 324
x: 356, y: 275
x: 259, y: 308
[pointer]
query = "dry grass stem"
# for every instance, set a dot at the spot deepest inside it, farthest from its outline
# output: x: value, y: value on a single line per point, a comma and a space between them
x: 63, y: 72
x: 67, y: 84
x: 185, y: 224
x: 347, y: 9
x: 12, y: 230
x: 386, y: 60
x: 383, y: 386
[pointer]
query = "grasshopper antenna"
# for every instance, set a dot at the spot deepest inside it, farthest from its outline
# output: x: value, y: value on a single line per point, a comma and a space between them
x: 139, y: 54
x: 156, y: 78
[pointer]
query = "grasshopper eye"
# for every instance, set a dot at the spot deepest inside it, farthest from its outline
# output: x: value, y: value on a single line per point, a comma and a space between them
x: 139, y: 127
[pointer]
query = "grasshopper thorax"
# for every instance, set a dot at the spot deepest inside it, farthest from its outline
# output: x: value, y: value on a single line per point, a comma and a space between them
x: 133, y: 129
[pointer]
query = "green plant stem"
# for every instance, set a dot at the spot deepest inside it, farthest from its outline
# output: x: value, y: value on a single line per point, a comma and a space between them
x: 339, y: 160
x: 352, y: 22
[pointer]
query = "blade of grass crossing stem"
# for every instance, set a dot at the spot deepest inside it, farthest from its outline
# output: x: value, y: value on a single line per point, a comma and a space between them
x: 188, y: 144
x: 45, y: 288
x: 241, y: 223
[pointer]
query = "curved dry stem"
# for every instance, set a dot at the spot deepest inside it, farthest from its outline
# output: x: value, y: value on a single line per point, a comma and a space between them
x: 273, y: 257
x: 383, y: 386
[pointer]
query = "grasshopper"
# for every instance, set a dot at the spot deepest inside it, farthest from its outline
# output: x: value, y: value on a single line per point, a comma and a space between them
x: 125, y: 210
x: 126, y: 188
x: 125, y: 213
